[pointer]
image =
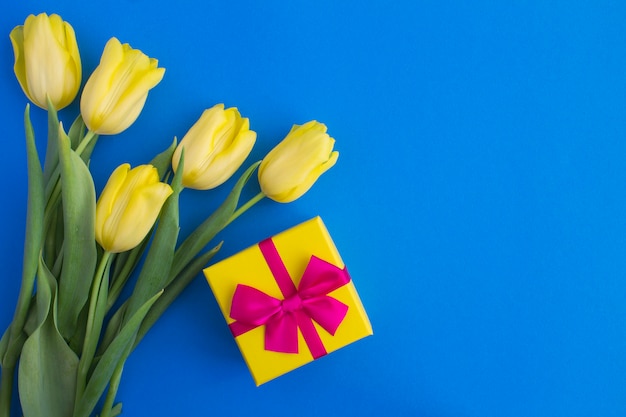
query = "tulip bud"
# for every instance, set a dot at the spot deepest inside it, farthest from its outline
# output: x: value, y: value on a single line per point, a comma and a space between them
x: 293, y: 166
x: 128, y: 207
x: 215, y: 147
x: 115, y: 93
x: 47, y: 62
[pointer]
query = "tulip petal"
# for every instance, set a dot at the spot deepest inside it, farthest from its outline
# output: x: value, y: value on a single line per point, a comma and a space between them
x: 140, y: 214
x: 226, y: 163
x: 17, y: 40
x: 113, y: 126
x: 128, y: 207
x: 215, y: 147
x: 47, y: 62
x: 198, y: 143
x: 292, y: 167
x: 40, y: 41
x: 117, y: 90
x: 106, y: 202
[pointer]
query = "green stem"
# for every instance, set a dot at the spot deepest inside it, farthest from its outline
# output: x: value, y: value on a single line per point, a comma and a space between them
x: 245, y: 207
x: 53, y: 187
x: 91, y: 336
x: 85, y: 142
x: 6, y: 391
x: 114, y: 384
x: 121, y: 275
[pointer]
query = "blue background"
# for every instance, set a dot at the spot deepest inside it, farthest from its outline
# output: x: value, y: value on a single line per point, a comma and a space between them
x: 479, y: 199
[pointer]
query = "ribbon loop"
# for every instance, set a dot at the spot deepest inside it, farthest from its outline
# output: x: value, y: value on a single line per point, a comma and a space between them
x: 253, y: 306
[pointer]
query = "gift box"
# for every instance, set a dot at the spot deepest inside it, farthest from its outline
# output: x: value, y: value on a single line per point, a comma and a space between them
x: 288, y: 300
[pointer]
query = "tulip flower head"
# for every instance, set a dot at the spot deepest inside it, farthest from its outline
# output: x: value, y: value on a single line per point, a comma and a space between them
x: 47, y: 61
x: 128, y: 207
x: 293, y: 166
x: 116, y: 92
x: 215, y: 147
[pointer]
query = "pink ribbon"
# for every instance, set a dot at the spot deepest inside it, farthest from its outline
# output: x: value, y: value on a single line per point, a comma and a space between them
x: 282, y: 318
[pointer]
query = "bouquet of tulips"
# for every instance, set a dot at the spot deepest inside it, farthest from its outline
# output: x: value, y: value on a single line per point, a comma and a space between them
x: 72, y: 330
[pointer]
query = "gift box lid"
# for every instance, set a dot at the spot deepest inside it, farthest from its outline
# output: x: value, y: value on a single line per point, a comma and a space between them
x: 294, y: 248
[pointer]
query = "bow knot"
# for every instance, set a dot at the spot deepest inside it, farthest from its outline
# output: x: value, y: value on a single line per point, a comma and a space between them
x: 297, y: 310
x: 292, y: 303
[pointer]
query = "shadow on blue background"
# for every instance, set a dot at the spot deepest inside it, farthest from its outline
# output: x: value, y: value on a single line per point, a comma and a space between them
x: 478, y: 200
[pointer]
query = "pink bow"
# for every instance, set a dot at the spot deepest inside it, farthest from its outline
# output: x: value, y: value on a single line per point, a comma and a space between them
x: 282, y: 318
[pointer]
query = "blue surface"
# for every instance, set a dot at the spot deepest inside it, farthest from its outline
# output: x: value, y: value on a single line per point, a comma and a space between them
x: 479, y: 199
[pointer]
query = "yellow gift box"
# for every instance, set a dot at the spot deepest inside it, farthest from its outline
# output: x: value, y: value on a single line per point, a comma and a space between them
x: 288, y: 300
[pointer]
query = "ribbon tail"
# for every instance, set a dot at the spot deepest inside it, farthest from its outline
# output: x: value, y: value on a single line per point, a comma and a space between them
x: 311, y: 337
x: 281, y: 333
x: 238, y: 328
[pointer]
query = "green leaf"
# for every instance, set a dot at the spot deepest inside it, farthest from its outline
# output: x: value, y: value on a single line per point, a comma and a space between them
x: 113, y: 327
x: 4, y: 343
x: 79, y: 248
x: 32, y: 241
x: 122, y: 260
x: 77, y: 132
x: 52, y: 152
x: 14, y: 349
x: 173, y: 290
x: 163, y: 160
x: 211, y: 226
x: 78, y: 338
x: 155, y: 270
x: 11, y: 349
x: 113, y: 356
x: 35, y: 211
x: 51, y: 175
x: 47, y: 370
x: 47, y: 374
x: 117, y: 410
x: 31, y: 319
x: 53, y: 239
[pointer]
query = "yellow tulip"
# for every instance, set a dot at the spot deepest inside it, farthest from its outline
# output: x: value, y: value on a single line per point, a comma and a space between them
x: 215, y: 147
x: 128, y: 207
x: 47, y: 62
x: 293, y: 166
x: 115, y: 93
